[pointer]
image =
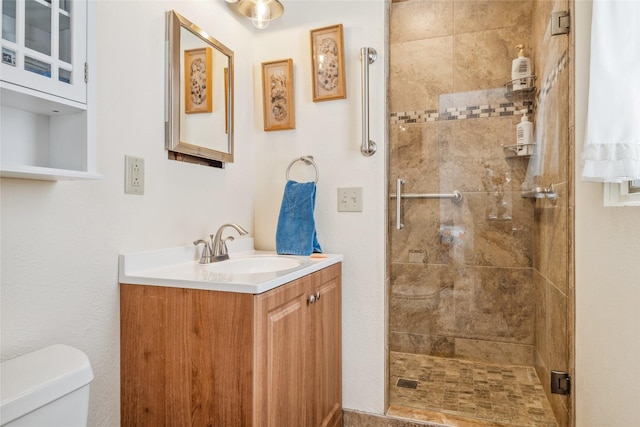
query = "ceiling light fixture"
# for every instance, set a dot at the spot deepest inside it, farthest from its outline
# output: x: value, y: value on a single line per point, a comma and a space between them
x: 260, y: 12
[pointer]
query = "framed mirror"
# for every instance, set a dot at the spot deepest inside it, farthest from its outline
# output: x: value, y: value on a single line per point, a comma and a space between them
x: 199, y: 116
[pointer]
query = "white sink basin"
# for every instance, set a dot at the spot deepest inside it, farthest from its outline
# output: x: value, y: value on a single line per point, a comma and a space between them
x: 255, y: 265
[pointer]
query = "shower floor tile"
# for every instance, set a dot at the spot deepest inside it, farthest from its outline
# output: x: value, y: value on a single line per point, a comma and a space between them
x: 491, y: 394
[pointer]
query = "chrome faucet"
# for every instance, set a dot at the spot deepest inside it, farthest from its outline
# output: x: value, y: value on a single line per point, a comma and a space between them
x: 219, y: 245
x: 216, y: 249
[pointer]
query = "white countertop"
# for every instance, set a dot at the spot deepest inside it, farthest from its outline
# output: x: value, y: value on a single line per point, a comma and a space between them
x: 179, y: 268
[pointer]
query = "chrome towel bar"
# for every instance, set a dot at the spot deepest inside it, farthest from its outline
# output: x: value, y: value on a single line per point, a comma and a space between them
x: 455, y: 196
x: 368, y: 55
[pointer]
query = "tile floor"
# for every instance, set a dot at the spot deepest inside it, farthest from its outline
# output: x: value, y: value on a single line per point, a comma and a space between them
x: 492, y: 394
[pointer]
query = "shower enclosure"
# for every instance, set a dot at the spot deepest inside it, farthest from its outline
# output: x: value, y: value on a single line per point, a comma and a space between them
x: 481, y: 289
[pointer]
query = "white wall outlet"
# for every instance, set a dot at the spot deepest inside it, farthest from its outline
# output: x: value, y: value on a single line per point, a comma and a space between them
x: 350, y: 199
x: 133, y: 175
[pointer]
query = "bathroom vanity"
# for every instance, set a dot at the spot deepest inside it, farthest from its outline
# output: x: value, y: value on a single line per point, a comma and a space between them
x: 201, y: 353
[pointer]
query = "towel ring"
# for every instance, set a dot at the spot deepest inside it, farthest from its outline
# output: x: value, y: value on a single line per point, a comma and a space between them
x: 308, y: 160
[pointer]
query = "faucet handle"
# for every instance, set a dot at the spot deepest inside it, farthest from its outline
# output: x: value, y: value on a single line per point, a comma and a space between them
x: 205, y: 258
x: 223, y: 249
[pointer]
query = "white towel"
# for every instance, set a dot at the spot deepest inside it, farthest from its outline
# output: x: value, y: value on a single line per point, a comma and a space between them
x: 612, y: 147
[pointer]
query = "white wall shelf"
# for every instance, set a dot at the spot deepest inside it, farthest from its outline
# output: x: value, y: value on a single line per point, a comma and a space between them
x: 45, y: 174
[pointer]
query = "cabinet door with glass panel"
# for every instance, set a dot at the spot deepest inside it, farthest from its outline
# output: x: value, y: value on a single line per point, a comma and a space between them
x: 44, y: 46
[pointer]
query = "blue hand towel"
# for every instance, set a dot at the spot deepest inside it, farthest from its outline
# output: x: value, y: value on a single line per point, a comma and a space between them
x: 296, y: 233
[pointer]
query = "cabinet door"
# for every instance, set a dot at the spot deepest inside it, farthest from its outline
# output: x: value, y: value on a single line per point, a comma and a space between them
x: 185, y: 357
x: 281, y: 353
x: 326, y: 321
x: 44, y: 46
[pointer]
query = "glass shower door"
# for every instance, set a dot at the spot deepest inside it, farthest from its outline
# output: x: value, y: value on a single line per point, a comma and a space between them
x: 472, y: 281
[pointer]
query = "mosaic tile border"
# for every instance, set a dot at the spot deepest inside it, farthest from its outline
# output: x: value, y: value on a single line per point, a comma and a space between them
x: 480, y: 111
x: 552, y: 78
x: 459, y: 113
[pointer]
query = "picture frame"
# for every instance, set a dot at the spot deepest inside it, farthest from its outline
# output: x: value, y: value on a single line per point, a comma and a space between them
x: 327, y: 63
x: 277, y: 95
x: 198, y: 80
x: 226, y: 100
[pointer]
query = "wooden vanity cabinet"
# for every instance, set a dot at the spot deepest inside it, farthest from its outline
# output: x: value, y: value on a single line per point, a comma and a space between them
x: 298, y: 353
x: 210, y: 358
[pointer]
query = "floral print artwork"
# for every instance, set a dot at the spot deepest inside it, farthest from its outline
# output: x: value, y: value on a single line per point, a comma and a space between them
x: 328, y: 70
x: 278, y: 107
x: 327, y: 60
x: 278, y: 83
x: 197, y: 81
x: 198, y: 76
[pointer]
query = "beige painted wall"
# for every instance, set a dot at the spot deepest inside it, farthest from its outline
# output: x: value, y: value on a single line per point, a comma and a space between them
x: 607, y: 382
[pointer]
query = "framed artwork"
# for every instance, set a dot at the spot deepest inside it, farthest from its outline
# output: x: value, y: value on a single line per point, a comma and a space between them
x: 327, y: 63
x: 277, y: 95
x: 226, y: 100
x: 198, y: 82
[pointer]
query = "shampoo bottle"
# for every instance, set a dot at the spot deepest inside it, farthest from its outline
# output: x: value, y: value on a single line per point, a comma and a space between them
x: 524, y: 135
x: 520, y: 70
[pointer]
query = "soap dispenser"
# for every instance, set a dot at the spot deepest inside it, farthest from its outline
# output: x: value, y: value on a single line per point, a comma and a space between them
x: 524, y: 135
x: 520, y: 70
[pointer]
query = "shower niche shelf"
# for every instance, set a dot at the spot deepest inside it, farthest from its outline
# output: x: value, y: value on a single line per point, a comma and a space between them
x: 512, y: 151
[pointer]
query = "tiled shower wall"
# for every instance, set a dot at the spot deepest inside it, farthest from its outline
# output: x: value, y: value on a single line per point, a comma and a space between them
x: 489, y: 278
x: 461, y: 279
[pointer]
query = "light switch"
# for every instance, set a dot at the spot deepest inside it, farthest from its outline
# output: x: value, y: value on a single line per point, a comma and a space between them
x: 350, y: 199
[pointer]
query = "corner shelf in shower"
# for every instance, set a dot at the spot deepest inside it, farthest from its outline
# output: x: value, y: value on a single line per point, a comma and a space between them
x: 525, y: 94
x: 512, y: 151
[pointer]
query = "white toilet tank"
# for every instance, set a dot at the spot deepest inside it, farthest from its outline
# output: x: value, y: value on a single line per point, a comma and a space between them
x: 46, y: 388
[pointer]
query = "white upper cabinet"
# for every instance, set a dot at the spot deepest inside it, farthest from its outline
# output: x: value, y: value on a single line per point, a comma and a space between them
x: 48, y: 118
x: 39, y: 50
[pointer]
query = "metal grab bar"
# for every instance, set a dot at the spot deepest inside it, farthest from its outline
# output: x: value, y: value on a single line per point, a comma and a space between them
x: 368, y: 55
x: 399, y: 183
x: 455, y: 196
